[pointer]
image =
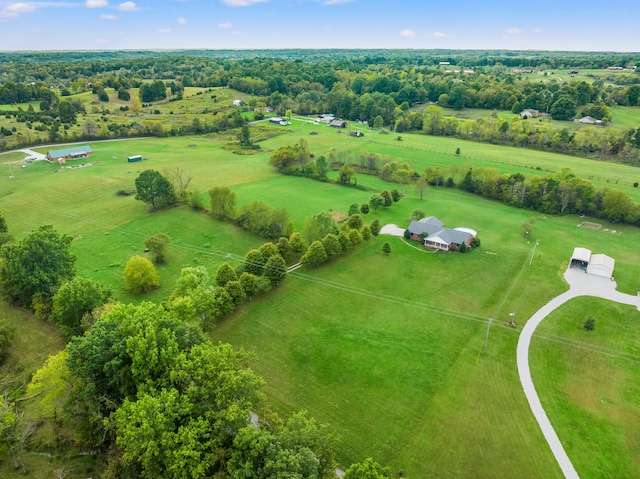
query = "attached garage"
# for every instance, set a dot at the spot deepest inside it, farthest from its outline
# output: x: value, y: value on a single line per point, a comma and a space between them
x: 601, y: 265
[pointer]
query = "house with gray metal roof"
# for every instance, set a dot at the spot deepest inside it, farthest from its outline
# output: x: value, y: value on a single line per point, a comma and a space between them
x: 434, y: 235
x: 74, y: 153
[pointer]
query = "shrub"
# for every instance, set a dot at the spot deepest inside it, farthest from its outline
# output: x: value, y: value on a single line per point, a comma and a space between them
x: 386, y: 248
x: 140, y: 275
x: 590, y: 323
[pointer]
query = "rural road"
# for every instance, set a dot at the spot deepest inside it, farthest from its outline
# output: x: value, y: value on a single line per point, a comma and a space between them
x: 580, y: 284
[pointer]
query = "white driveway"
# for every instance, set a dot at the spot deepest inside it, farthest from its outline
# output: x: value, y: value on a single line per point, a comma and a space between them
x: 580, y: 284
x: 393, y: 230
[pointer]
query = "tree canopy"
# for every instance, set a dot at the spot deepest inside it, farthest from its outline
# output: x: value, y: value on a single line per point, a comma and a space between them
x: 155, y: 189
x: 37, y: 265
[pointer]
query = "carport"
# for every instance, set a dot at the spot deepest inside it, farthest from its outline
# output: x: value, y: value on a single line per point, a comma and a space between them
x: 580, y: 258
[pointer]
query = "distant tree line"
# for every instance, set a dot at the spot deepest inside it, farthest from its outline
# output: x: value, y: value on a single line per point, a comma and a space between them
x: 613, y: 144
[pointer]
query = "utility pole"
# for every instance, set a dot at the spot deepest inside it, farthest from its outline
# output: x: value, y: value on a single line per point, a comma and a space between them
x: 486, y: 339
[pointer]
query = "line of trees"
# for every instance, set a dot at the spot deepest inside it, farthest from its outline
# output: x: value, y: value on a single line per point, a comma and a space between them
x: 560, y: 193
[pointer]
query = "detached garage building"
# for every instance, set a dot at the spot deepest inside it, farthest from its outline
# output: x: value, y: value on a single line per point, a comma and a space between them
x: 596, y: 264
x: 601, y: 265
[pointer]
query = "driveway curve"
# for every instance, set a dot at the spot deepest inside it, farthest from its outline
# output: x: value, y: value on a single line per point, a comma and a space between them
x: 580, y: 284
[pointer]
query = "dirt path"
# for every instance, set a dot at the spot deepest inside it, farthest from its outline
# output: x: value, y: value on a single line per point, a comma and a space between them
x: 580, y: 284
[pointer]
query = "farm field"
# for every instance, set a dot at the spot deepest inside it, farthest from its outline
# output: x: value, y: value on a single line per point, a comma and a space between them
x: 386, y: 349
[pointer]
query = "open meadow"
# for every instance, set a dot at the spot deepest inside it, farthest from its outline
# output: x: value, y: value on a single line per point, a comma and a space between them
x: 388, y: 350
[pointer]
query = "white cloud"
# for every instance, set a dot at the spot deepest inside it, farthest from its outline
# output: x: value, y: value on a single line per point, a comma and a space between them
x: 440, y: 35
x: 336, y: 2
x: 96, y: 3
x: 128, y: 7
x: 408, y: 34
x: 15, y: 9
x: 538, y: 30
x: 224, y: 25
x: 108, y: 17
x: 164, y: 30
x: 182, y: 20
x: 21, y: 8
x: 242, y: 3
x: 513, y: 31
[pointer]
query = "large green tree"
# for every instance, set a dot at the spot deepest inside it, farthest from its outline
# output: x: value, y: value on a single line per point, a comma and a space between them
x: 130, y: 350
x: 37, y: 265
x: 299, y: 449
x: 155, y: 189
x: 74, y: 300
x: 275, y: 269
x: 157, y: 246
x: 223, y: 203
x: 367, y: 469
x: 315, y: 255
x: 186, y: 428
x: 564, y: 108
x: 318, y: 226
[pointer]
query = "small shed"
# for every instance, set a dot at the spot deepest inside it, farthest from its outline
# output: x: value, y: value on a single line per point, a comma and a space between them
x: 356, y: 133
x: 237, y: 102
x: 601, y: 265
x: 134, y: 159
x: 276, y: 120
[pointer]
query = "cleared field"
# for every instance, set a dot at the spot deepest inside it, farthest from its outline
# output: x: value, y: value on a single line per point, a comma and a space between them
x: 626, y: 116
x: 590, y: 392
x: 398, y: 363
x: 387, y: 349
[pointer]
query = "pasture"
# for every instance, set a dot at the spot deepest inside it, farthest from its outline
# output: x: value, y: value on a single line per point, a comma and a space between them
x: 389, y: 350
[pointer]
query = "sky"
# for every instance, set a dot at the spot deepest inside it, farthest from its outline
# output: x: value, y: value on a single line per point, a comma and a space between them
x: 581, y: 25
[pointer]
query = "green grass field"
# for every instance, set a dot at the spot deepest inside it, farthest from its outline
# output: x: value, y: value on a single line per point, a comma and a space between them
x: 386, y: 349
x: 591, y: 391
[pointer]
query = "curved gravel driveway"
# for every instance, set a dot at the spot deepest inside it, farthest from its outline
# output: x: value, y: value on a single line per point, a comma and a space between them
x: 580, y: 284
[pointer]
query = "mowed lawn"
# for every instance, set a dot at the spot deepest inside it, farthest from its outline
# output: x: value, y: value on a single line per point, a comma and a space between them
x: 109, y: 229
x: 591, y: 387
x: 422, y: 151
x: 389, y: 349
x: 386, y: 349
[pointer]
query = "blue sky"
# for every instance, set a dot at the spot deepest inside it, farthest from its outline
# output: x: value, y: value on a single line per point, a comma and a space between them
x: 610, y: 25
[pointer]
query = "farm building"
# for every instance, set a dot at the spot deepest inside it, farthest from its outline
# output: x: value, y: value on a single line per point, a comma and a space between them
x: 529, y: 113
x: 596, y: 264
x: 73, y: 153
x: 276, y: 120
x: 434, y: 235
x: 356, y: 133
x: 588, y: 120
x: 134, y: 159
x: 237, y: 102
x: 338, y: 124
